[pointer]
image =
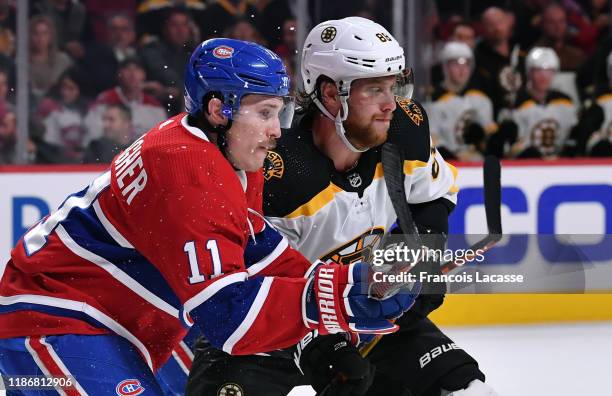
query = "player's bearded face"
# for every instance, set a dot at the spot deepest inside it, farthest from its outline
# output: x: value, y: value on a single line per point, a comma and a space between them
x: 371, y: 105
x: 254, y: 131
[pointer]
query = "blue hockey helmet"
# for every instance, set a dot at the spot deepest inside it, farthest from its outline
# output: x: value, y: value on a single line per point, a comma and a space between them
x: 235, y: 68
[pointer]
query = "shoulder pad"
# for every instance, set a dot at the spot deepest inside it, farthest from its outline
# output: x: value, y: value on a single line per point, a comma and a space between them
x: 410, y: 129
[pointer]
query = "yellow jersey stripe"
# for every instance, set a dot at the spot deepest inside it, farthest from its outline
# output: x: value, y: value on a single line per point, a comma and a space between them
x: 410, y: 166
x: 562, y: 102
x: 316, y: 203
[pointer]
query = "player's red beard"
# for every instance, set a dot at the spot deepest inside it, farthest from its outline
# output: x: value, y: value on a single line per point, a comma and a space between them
x: 369, y: 135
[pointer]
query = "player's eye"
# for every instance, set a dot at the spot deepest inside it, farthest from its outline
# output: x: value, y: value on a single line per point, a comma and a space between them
x: 265, y: 114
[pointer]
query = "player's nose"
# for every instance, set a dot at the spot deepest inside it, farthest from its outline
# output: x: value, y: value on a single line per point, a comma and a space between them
x: 388, y: 105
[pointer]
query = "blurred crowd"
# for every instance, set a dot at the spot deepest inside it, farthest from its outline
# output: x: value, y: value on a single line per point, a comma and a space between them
x: 522, y: 79
x: 518, y: 79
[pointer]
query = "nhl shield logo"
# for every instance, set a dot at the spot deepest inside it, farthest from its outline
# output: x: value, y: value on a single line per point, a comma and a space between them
x: 354, y: 179
x: 230, y: 389
x: 328, y: 34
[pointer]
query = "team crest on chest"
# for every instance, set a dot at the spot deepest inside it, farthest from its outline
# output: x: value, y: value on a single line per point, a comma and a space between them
x: 412, y: 110
x: 230, y: 389
x: 274, y: 166
x: 359, y: 249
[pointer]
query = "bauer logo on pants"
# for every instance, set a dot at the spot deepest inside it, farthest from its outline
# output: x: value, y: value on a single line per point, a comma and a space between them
x: 129, y: 387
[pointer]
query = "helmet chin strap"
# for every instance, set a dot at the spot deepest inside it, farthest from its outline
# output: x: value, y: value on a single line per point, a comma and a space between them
x: 338, y: 121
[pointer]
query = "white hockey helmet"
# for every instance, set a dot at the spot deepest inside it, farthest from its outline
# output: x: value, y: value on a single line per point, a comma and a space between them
x: 542, y: 58
x: 455, y: 50
x: 349, y: 49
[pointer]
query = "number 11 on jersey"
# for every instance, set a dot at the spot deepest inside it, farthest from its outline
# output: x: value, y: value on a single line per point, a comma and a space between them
x: 190, y: 249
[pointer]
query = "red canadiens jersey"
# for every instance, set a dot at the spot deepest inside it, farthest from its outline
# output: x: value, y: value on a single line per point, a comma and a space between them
x: 170, y: 236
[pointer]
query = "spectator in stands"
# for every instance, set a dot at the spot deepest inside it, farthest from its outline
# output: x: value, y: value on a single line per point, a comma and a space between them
x: 68, y: 18
x: 7, y: 29
x: 152, y: 13
x: 117, y: 122
x: 244, y: 30
x: 5, y: 104
x: 287, y: 47
x: 165, y: 59
x: 47, y: 63
x: 8, y: 137
x: 100, y: 11
x: 554, y: 35
x: 459, y: 114
x: 543, y: 116
x: 462, y: 32
x: 221, y: 14
x: 63, y: 114
x: 102, y: 59
x: 272, y: 20
x: 497, y: 60
x: 590, y: 21
x: 146, y: 110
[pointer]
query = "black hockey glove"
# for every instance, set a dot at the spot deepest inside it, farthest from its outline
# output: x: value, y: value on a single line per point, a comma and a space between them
x: 334, y: 367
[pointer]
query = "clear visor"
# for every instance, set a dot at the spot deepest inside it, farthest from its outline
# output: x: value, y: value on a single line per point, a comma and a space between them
x: 264, y: 110
x: 381, y: 90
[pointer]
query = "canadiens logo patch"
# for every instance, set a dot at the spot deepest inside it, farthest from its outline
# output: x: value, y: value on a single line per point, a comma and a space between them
x: 328, y: 34
x: 223, y: 52
x: 412, y: 110
x: 129, y: 387
x: 274, y: 166
x: 230, y: 389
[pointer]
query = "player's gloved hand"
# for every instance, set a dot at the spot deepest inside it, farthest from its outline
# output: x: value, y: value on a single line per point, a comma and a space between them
x: 334, y: 367
x: 475, y: 388
x: 336, y: 300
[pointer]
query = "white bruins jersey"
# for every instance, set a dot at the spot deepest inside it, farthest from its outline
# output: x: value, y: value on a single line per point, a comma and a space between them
x: 449, y: 113
x: 545, y: 125
x: 605, y: 101
x: 327, y: 214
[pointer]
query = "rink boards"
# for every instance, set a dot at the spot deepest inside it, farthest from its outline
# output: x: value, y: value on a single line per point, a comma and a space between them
x: 552, y: 197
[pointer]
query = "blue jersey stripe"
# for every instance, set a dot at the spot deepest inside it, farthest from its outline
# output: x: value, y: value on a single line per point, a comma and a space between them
x: 85, y: 229
x: 265, y: 242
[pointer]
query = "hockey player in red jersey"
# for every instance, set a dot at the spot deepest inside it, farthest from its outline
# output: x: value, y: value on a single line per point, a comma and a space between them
x: 171, y: 237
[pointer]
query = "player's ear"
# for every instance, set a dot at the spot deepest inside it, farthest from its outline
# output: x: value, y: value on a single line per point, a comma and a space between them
x: 214, y: 114
x: 329, y: 96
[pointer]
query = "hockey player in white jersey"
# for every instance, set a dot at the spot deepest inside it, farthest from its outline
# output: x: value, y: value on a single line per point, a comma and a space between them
x: 544, y: 116
x: 325, y: 191
x: 460, y: 115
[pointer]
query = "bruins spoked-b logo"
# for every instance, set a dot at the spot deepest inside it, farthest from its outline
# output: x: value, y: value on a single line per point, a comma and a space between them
x: 230, y: 389
x: 544, y: 136
x: 359, y: 249
x: 273, y: 166
x: 411, y: 109
x: 328, y: 34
